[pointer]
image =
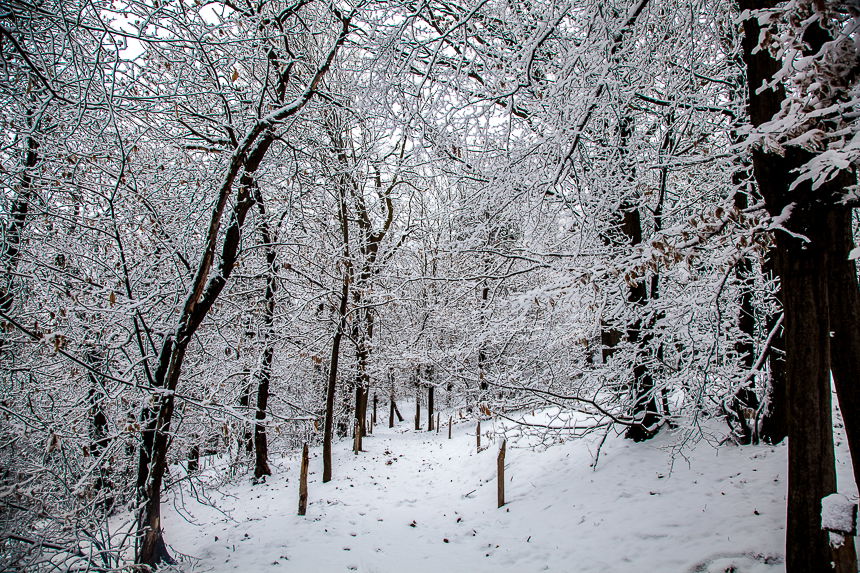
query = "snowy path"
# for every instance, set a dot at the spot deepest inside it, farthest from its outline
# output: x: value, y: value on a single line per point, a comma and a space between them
x: 418, y: 502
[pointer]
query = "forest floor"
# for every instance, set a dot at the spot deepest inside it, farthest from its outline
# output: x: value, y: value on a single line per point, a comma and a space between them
x: 418, y: 502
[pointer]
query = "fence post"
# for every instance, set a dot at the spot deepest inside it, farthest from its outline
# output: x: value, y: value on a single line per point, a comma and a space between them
x: 356, y: 445
x: 500, y: 466
x: 303, y: 482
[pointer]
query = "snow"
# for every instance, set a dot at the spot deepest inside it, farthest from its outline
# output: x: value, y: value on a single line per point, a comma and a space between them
x: 838, y: 513
x: 417, y: 501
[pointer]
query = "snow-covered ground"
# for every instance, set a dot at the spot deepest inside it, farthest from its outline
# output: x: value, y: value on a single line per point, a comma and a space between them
x: 418, y: 502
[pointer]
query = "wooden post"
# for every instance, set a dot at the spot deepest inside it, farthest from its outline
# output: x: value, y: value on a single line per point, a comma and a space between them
x: 478, y: 436
x: 356, y: 446
x: 438, y: 417
x: 450, y: 421
x: 391, y: 412
x: 430, y: 408
x: 500, y: 466
x: 303, y: 482
x: 373, y: 420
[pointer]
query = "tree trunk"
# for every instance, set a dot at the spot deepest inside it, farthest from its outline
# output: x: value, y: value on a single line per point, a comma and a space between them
x: 261, y: 443
x: 802, y: 267
x: 158, y: 412
x: 644, y: 409
x: 744, y: 400
x: 811, y: 463
x: 844, y: 299
x: 774, y: 421
x: 246, y: 439
x: 430, y: 408
x: 193, y: 457
x: 10, y: 249
x: 361, y: 394
x: 338, y: 335
x: 332, y: 380
x: 418, y: 407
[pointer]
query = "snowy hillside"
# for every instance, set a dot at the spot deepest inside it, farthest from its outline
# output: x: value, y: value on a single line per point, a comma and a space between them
x: 418, y: 502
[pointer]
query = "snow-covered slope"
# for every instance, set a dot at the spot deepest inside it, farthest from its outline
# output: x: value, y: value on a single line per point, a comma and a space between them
x: 418, y: 502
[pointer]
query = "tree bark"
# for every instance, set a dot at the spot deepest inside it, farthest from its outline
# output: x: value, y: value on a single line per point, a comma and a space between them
x: 744, y: 400
x: 844, y: 299
x: 332, y: 376
x: 261, y: 443
x: 157, y: 415
x: 10, y: 249
x: 811, y: 463
x: 801, y: 262
x: 417, y: 407
x: 430, y: 408
x: 774, y: 421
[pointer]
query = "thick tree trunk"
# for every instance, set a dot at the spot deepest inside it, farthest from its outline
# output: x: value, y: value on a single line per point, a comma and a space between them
x: 811, y: 463
x: 844, y: 298
x: 801, y: 262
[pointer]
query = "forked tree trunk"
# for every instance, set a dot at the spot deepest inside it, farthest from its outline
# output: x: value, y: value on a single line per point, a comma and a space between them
x: 158, y: 412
